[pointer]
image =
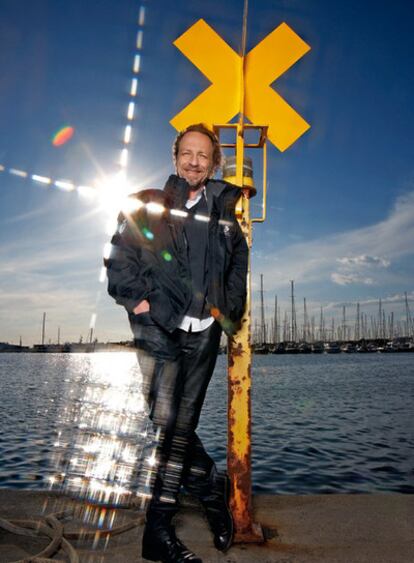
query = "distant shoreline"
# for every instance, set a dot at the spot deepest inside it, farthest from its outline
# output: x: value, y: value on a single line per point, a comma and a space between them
x: 397, y: 345
x: 68, y: 348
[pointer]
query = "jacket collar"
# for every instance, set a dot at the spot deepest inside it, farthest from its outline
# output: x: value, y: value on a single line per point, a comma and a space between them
x: 223, y: 192
x: 176, y: 193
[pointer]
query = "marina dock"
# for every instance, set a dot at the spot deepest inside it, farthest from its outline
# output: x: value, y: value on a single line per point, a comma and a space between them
x: 348, y: 528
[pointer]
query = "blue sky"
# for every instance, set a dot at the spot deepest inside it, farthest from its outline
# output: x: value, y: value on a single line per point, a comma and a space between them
x: 341, y: 199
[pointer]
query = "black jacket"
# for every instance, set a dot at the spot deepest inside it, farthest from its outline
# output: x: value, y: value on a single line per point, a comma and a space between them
x: 148, y: 258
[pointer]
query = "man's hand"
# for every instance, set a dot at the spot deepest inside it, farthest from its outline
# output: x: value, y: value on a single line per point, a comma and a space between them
x: 142, y: 307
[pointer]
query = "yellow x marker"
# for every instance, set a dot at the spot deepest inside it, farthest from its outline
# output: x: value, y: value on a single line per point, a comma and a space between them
x: 221, y: 101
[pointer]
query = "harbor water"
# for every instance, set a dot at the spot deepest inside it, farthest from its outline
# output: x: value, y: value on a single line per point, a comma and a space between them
x: 321, y: 423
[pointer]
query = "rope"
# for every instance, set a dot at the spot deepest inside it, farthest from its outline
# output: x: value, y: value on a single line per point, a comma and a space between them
x: 51, y: 527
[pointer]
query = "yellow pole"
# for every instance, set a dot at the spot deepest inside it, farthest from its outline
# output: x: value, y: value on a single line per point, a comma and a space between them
x: 240, y: 353
x: 239, y: 393
x: 239, y: 363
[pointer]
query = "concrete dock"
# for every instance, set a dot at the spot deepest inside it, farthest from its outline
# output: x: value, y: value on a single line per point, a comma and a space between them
x: 357, y: 528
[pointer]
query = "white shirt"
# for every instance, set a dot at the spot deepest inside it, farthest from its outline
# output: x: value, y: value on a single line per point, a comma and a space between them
x: 192, y: 324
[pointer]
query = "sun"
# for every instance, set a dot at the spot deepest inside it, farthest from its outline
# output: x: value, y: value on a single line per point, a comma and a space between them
x: 113, y: 195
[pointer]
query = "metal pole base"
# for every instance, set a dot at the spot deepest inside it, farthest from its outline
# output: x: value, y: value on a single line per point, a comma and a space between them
x: 253, y: 535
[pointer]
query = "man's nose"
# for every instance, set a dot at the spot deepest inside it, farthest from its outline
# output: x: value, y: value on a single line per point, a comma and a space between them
x: 194, y: 160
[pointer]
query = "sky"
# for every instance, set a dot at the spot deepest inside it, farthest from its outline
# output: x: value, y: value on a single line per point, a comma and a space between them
x: 340, y: 200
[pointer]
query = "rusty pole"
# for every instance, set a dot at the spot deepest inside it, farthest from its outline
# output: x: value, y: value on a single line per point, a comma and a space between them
x: 240, y: 356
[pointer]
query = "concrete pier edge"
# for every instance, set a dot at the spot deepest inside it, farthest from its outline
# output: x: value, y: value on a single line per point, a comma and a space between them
x: 341, y: 528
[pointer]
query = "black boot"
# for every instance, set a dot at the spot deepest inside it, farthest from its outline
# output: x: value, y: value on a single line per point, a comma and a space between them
x: 159, y: 542
x: 216, y: 506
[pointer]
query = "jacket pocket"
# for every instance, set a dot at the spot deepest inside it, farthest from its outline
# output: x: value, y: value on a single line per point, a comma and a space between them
x: 143, y: 319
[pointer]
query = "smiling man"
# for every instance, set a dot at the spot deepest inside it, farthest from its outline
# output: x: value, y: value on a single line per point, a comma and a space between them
x: 180, y: 268
x: 196, y: 156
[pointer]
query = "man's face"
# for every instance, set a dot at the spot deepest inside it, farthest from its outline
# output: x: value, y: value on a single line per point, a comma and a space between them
x: 194, y: 160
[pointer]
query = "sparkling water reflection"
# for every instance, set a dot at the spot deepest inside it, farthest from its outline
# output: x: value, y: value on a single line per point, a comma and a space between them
x: 321, y: 424
x: 102, y: 430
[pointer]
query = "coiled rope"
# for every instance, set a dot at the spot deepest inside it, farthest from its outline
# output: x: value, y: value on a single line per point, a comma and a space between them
x: 51, y: 527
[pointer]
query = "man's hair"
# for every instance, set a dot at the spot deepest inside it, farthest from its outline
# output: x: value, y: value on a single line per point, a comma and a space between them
x: 200, y: 128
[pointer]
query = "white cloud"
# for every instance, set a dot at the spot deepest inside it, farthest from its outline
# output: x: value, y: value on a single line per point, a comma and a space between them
x: 346, y: 279
x: 354, y: 269
x: 372, y: 249
x: 364, y: 260
x: 395, y: 299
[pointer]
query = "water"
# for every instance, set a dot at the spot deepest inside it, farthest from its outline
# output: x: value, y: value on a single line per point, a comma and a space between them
x: 321, y: 424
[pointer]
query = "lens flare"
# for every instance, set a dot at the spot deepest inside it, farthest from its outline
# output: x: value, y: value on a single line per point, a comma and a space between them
x: 203, y: 218
x: 137, y: 63
x: 215, y: 312
x: 63, y: 135
x: 64, y: 185
x: 179, y: 213
x: 131, y: 110
x: 134, y: 87
x: 166, y: 255
x: 17, y: 172
x: 147, y: 233
x: 41, y: 179
x: 154, y: 207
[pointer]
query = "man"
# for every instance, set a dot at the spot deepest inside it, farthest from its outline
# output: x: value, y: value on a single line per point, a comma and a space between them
x: 179, y: 264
